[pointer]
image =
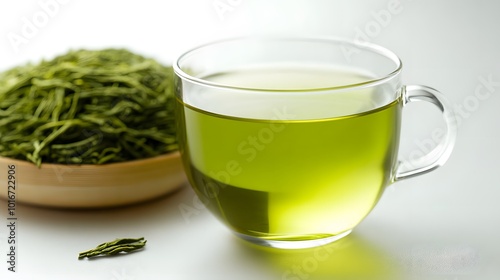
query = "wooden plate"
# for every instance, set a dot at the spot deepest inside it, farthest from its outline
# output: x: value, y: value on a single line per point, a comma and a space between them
x: 91, y: 186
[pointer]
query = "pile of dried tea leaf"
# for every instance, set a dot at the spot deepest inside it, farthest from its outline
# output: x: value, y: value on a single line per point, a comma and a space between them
x: 87, y: 107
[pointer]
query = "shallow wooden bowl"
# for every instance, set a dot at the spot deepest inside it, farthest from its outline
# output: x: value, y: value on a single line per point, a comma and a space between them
x: 93, y: 186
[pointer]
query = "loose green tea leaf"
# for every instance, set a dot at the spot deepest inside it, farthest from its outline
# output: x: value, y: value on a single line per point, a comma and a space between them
x: 87, y: 107
x: 114, y: 247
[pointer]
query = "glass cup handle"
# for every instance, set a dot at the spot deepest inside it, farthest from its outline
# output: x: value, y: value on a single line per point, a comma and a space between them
x: 440, y: 154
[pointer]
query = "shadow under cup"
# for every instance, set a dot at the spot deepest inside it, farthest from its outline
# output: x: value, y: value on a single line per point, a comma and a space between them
x: 290, y: 142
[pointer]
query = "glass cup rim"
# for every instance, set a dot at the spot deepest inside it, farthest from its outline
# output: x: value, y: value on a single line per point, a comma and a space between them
x: 368, y: 46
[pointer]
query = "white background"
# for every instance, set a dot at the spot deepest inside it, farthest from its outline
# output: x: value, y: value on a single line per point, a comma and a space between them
x: 443, y: 225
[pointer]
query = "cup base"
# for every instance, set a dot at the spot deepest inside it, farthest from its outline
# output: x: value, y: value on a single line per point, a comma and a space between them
x: 293, y: 244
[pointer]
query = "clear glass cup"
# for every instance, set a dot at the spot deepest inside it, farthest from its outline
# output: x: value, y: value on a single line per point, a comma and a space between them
x: 290, y: 142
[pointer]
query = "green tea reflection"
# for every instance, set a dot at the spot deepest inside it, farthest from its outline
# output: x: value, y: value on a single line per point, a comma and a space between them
x: 348, y: 258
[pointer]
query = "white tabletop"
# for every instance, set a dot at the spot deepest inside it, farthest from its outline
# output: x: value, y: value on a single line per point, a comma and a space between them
x: 443, y: 225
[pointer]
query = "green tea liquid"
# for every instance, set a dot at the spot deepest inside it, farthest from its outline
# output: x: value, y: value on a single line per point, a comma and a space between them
x: 290, y: 179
